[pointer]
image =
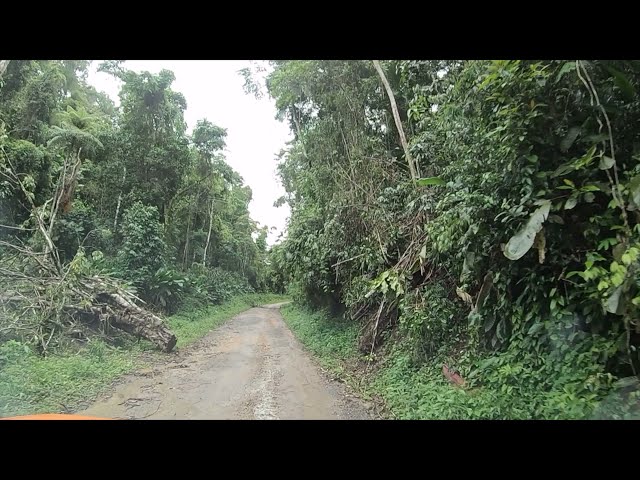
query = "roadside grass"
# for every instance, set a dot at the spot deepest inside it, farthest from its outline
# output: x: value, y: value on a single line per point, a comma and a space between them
x: 406, y: 392
x: 423, y: 394
x: 32, y: 384
x: 334, y: 343
x: 191, y: 325
x: 60, y: 382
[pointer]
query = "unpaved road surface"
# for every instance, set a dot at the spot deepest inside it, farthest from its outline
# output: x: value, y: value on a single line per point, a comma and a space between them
x: 252, y: 367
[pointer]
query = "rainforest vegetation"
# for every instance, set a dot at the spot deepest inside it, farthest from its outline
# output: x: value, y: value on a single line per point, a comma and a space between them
x: 111, y: 218
x: 467, y: 233
x: 476, y: 222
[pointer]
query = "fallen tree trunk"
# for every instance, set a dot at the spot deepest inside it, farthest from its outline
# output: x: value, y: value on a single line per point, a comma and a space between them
x: 133, y: 319
x: 65, y: 303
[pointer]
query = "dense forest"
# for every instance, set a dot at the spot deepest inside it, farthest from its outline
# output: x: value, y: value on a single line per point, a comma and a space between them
x: 478, y: 220
x: 103, y: 209
x: 472, y: 228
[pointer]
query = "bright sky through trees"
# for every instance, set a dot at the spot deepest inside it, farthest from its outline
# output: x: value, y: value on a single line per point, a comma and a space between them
x: 213, y: 89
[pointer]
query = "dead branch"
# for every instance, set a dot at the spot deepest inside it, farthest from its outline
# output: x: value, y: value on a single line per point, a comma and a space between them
x: 396, y: 117
x: 49, y: 303
x: 347, y: 260
x: 375, y: 329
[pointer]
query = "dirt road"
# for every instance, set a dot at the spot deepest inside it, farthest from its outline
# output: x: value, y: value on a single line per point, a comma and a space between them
x: 252, y: 367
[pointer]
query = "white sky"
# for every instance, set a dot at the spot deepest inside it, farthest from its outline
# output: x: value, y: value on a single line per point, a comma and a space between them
x: 213, y: 90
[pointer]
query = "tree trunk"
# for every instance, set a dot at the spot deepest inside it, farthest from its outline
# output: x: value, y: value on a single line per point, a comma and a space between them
x: 115, y: 220
x: 185, y: 255
x: 298, y: 130
x: 133, y: 319
x: 206, y: 247
x: 396, y: 117
x: 3, y: 67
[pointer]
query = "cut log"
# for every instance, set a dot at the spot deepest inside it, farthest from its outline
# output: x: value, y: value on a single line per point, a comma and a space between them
x: 133, y: 319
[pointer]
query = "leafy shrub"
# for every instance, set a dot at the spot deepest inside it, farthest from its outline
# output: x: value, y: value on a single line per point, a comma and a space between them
x: 142, y: 252
x: 167, y: 288
x: 517, y: 257
x: 432, y: 323
x: 218, y: 285
x: 77, y: 228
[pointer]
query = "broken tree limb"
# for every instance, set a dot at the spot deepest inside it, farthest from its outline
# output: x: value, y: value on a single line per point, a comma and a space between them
x: 348, y: 260
x: 43, y: 296
x: 115, y: 220
x: 370, y: 339
x: 66, y: 303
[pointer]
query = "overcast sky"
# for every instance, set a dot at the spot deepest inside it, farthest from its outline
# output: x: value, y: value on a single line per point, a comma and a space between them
x: 213, y: 89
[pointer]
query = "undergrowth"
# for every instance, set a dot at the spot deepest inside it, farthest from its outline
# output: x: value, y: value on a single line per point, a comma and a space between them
x: 32, y: 384
x: 332, y: 341
x: 60, y: 382
x: 499, y: 387
x: 508, y: 251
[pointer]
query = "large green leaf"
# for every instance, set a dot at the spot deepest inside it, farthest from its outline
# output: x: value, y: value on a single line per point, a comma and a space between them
x: 613, y: 305
x: 622, y: 82
x: 567, y: 67
x: 430, y: 181
x: 522, y: 241
x: 489, y: 322
x: 567, y: 141
x: 535, y: 328
x: 571, y: 203
x: 606, y: 162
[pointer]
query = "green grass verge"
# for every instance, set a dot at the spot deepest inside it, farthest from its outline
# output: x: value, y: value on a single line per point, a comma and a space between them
x: 191, y: 325
x: 407, y: 393
x: 423, y: 393
x: 333, y: 342
x: 32, y: 384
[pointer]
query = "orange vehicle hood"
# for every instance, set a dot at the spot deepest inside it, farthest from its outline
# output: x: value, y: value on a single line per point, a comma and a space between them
x: 54, y: 416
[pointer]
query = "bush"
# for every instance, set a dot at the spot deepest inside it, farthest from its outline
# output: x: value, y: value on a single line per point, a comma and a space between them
x: 167, y: 288
x: 77, y: 228
x: 217, y: 285
x: 142, y: 252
